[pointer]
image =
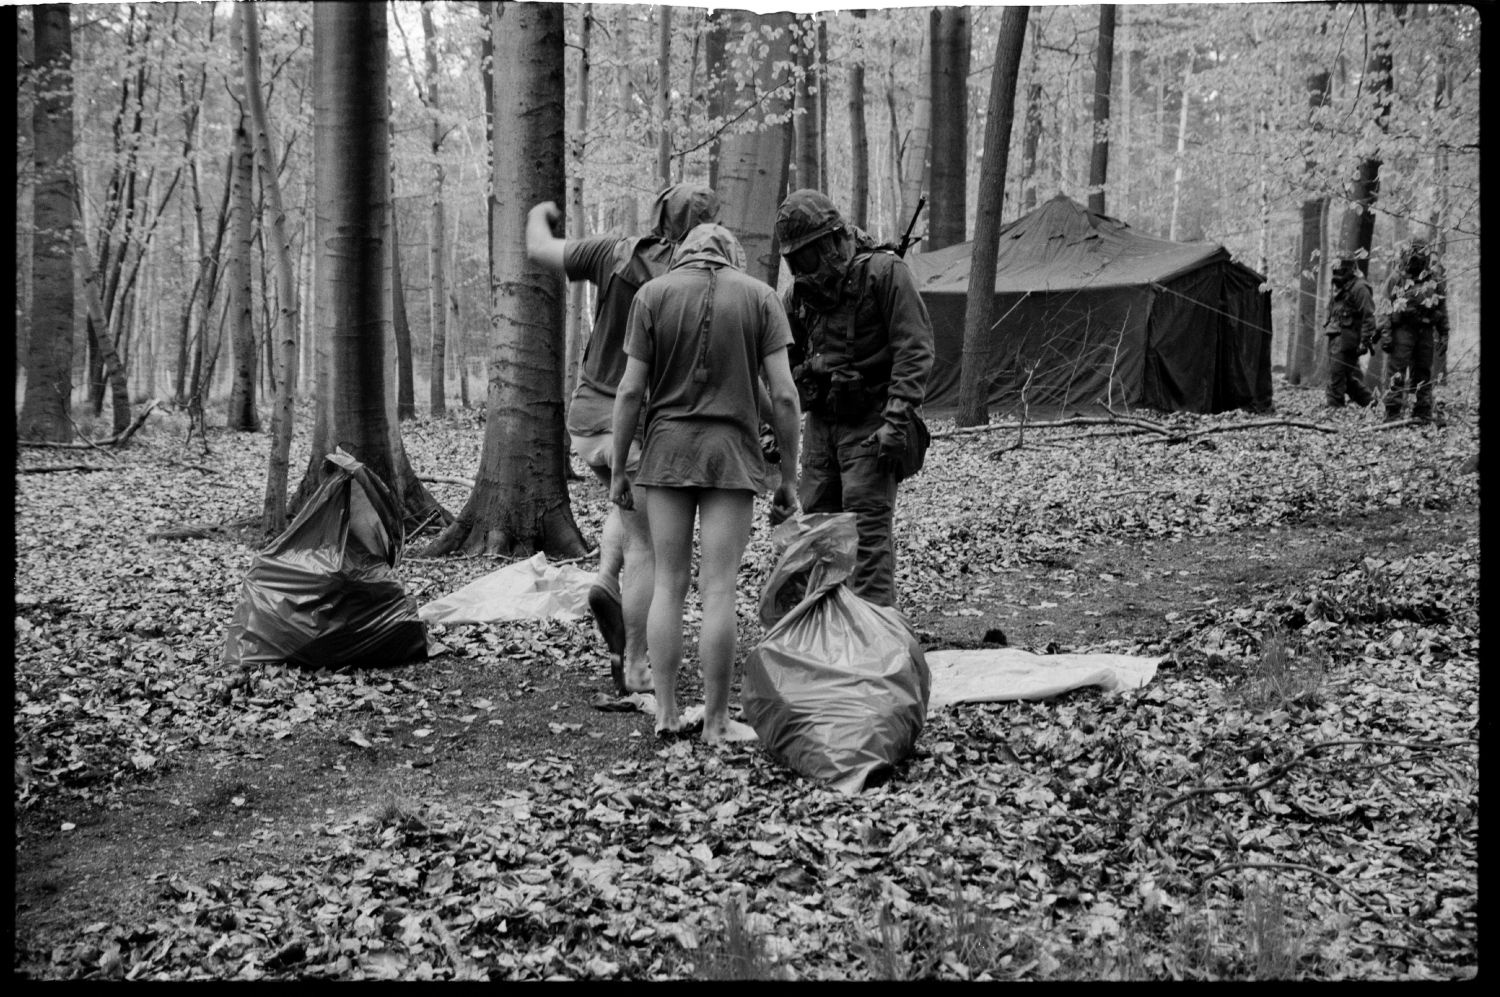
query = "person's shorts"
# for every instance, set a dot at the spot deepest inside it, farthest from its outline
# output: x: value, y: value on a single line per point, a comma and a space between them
x: 597, y: 451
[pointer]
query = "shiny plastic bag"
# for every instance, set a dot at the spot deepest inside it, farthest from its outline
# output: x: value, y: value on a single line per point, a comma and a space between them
x: 324, y: 594
x: 527, y: 590
x: 837, y: 690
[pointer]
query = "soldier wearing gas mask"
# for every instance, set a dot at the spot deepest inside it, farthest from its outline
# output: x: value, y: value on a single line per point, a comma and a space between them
x: 861, y: 355
x: 1417, y: 294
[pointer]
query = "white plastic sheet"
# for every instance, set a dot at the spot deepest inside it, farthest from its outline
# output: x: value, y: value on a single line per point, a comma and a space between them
x: 528, y: 590
x: 1007, y: 673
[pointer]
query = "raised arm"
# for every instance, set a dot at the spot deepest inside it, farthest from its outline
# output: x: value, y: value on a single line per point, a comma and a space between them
x: 542, y: 246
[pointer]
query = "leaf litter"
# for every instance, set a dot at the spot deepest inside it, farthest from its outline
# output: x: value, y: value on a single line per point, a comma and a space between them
x: 1095, y: 835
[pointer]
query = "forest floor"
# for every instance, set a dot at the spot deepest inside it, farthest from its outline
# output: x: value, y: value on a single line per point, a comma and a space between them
x: 1295, y: 793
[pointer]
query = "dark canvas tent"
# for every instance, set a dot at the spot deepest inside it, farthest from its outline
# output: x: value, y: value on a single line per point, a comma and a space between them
x: 1089, y: 311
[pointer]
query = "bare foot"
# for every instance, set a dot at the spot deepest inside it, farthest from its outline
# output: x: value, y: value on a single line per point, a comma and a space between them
x: 638, y: 677
x: 730, y: 732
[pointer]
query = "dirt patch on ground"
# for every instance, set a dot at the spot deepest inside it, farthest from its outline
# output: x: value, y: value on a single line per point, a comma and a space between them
x: 486, y: 723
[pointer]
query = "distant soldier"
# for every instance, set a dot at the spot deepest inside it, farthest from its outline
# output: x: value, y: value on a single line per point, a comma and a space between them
x: 1350, y: 327
x: 1418, y: 322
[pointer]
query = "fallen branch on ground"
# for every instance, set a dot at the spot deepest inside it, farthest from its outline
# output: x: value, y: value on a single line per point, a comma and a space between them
x: 203, y: 531
x: 442, y: 479
x: 1081, y: 420
x: 120, y: 439
x: 53, y: 468
x: 1279, y: 770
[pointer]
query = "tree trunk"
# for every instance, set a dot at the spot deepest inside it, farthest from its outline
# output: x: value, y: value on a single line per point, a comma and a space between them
x: 519, y: 503
x: 753, y: 165
x: 859, y: 141
x: 243, y: 414
x: 577, y: 335
x: 355, y: 407
x: 275, y: 239
x: 47, y: 406
x: 1032, y: 137
x: 808, y: 123
x: 663, y: 96
x: 1182, y: 123
x: 1104, y: 57
x: 406, y: 397
x: 915, y: 148
x: 437, y: 294
x: 1302, y: 357
x: 97, y: 328
x: 948, y: 212
x: 979, y: 309
x: 716, y: 85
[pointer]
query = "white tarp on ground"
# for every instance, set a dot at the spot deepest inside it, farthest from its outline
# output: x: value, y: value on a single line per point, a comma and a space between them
x: 1007, y: 673
x: 528, y: 590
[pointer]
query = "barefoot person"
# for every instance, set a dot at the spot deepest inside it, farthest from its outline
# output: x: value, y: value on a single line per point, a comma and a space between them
x: 617, y: 268
x: 697, y: 339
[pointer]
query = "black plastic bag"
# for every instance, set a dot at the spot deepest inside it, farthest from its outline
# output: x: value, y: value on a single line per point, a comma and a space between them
x: 837, y: 690
x: 325, y: 593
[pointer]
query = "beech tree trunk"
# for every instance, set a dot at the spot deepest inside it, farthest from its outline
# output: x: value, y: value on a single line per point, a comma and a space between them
x: 716, y: 85
x: 859, y: 141
x: 47, y: 405
x: 243, y: 415
x: 277, y: 243
x: 437, y: 294
x: 808, y: 123
x: 519, y: 503
x: 753, y: 165
x: 948, y: 212
x: 913, y: 148
x: 979, y: 310
x: 1104, y: 57
x: 663, y: 96
x: 577, y: 335
x: 406, y: 396
x: 1302, y: 355
x: 356, y: 409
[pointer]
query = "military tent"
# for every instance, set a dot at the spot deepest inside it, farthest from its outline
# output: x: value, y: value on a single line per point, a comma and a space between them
x: 1089, y: 312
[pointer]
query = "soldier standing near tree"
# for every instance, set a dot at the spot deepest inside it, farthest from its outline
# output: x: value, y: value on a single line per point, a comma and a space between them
x: 1418, y: 321
x: 617, y: 267
x: 1351, y: 334
x: 862, y: 353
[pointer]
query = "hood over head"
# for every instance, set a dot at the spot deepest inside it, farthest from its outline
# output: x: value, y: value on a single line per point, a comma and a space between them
x: 709, y: 243
x: 680, y: 207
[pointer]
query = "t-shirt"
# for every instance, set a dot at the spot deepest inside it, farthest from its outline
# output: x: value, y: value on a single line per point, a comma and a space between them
x: 596, y: 259
x: 702, y: 422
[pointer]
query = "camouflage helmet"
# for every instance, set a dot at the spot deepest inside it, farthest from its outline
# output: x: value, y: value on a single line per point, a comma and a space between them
x: 804, y: 216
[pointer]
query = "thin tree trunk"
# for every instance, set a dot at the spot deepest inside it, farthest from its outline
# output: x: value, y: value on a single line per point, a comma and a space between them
x: 948, y: 214
x: 915, y: 147
x: 1104, y: 57
x: 859, y: 142
x: 243, y: 416
x: 47, y: 406
x: 97, y: 326
x: 1182, y: 123
x: 275, y: 238
x: 437, y: 296
x: 808, y: 124
x: 979, y: 309
x: 1302, y: 358
x: 577, y: 290
x: 406, y: 399
x: 716, y: 85
x: 663, y: 96
x: 1032, y: 136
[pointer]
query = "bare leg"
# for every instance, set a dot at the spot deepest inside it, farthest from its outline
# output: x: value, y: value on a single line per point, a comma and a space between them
x: 638, y: 581
x: 671, y: 512
x: 726, y: 520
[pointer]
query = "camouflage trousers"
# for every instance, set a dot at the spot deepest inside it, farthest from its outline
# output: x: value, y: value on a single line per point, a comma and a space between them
x: 840, y: 474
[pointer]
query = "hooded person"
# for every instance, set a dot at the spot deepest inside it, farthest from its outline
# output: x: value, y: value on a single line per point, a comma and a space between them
x: 862, y: 351
x: 1350, y: 329
x: 1416, y: 299
x: 699, y: 341
x: 617, y: 267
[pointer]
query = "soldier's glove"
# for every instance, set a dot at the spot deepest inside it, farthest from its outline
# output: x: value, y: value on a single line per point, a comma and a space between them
x: 889, y: 444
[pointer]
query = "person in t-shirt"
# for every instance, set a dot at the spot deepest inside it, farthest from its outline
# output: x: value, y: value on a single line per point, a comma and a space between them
x: 699, y: 340
x: 617, y: 267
